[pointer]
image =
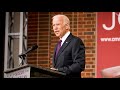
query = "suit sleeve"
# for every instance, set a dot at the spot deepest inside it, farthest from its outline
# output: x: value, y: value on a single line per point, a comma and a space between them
x: 78, y: 57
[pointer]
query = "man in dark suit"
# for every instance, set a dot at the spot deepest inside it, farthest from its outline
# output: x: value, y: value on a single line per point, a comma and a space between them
x: 70, y: 58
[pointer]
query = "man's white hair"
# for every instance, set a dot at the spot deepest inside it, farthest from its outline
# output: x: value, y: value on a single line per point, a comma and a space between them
x: 65, y: 18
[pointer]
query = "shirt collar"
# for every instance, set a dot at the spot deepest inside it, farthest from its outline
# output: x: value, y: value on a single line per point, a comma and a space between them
x: 64, y: 37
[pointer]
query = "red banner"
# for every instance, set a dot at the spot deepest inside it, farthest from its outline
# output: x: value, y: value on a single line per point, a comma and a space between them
x: 108, y: 40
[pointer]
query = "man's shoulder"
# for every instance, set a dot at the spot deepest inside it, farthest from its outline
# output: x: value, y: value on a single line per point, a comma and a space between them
x: 76, y: 37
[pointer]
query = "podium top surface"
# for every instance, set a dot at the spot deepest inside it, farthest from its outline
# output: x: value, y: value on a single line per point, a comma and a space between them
x: 39, y: 68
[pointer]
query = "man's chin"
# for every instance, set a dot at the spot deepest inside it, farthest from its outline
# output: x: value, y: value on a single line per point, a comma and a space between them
x: 57, y: 35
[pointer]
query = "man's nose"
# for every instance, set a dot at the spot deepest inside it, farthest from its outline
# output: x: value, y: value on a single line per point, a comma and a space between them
x: 55, y: 27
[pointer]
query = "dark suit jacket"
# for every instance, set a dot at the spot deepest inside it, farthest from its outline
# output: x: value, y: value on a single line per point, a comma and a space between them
x: 71, y: 57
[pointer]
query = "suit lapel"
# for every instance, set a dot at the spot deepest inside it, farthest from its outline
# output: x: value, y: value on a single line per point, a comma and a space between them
x: 54, y: 60
x: 65, y: 44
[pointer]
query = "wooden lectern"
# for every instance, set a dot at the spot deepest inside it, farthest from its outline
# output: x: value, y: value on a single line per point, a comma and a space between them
x: 31, y: 71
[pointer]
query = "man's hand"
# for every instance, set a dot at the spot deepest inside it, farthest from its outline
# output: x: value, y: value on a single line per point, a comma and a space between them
x: 54, y: 69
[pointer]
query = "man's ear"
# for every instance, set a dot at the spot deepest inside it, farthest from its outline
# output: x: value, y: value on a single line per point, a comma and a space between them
x: 67, y: 26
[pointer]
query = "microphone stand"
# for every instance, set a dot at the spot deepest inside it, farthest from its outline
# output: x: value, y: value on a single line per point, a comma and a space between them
x: 23, y: 55
x: 23, y: 58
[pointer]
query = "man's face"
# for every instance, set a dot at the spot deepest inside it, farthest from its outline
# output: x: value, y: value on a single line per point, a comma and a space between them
x: 58, y: 27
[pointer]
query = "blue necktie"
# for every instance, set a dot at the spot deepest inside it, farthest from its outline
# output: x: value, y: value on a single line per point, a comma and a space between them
x: 58, y: 47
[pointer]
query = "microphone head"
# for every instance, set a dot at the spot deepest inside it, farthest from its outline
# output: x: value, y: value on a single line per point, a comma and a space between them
x: 34, y: 47
x: 29, y: 50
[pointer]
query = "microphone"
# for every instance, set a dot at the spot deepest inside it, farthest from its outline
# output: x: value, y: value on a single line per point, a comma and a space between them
x: 29, y: 50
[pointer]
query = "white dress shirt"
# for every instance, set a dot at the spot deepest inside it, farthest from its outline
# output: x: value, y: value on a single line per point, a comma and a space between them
x: 64, y: 37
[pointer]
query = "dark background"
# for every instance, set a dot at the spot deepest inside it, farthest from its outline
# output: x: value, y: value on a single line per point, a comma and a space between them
x: 49, y: 6
x: 2, y: 35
